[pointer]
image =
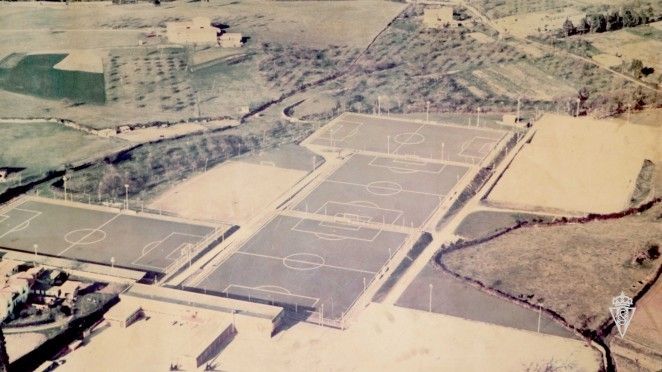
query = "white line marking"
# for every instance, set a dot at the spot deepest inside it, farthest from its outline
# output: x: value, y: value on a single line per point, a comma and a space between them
x: 364, y: 186
x: 262, y: 289
x: 23, y: 225
x: 90, y: 233
x: 307, y: 262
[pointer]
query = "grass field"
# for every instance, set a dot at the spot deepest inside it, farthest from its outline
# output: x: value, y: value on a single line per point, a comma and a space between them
x: 484, y: 223
x: 574, y: 269
x: 41, y: 147
x: 34, y: 74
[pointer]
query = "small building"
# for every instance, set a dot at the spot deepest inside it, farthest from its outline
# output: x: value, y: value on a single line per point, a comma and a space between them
x: 439, y: 17
x: 123, y: 314
x: 124, y: 129
x: 199, y: 31
x: 230, y: 40
x: 108, y: 132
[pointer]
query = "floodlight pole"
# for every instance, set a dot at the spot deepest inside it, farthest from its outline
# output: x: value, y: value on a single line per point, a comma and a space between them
x: 629, y: 112
x: 430, y: 302
x: 36, y: 247
x: 577, y: 112
x: 518, y: 110
x: 478, y: 118
x: 442, y: 151
x: 64, y: 179
x: 206, y: 162
x: 126, y: 196
x: 112, y: 262
x: 388, y: 144
x: 379, y: 105
x: 427, y: 110
x: 539, y: 316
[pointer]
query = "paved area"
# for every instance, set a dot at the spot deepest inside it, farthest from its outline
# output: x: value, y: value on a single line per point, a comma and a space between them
x: 435, y: 291
x: 93, y: 234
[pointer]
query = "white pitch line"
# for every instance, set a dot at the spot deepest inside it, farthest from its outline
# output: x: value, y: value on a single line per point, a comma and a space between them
x: 16, y: 228
x: 307, y: 262
x: 90, y: 233
x: 403, y: 190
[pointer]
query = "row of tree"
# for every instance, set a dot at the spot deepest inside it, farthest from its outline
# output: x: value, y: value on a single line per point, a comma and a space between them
x: 610, y: 21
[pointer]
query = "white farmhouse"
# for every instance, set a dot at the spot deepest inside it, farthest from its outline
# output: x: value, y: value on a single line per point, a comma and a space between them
x: 198, y: 31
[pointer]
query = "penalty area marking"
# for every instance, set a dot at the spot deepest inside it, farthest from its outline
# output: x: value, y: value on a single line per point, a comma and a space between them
x: 274, y: 290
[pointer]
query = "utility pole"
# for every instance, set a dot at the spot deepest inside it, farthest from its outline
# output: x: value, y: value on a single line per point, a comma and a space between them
x: 126, y: 196
x: 539, y: 316
x: 427, y: 110
x: 64, y: 179
x: 430, y: 302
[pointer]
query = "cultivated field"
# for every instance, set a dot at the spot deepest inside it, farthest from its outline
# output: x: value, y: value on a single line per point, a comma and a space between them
x: 642, y: 42
x: 570, y: 159
x: 533, y: 23
x: 158, y: 85
x: 573, y: 269
x: 522, y: 80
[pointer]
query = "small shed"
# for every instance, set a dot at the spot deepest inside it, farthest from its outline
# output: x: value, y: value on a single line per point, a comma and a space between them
x: 123, y: 314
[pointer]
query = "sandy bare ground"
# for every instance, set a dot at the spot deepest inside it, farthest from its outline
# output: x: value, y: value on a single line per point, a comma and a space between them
x: 578, y: 165
x: 522, y: 25
x: 155, y: 133
x: 389, y: 338
x: 20, y: 344
x: 232, y: 192
x: 607, y: 59
x: 82, y: 60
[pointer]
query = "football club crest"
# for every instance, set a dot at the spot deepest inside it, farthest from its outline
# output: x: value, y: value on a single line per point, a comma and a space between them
x: 622, y: 312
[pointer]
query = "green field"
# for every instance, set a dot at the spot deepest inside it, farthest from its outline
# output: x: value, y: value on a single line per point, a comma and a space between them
x: 35, y: 75
x: 44, y: 146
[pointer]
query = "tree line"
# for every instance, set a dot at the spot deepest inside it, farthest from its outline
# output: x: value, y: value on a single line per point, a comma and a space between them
x: 610, y: 21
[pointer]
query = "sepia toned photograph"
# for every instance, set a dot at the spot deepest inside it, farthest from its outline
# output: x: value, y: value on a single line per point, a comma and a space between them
x: 331, y: 185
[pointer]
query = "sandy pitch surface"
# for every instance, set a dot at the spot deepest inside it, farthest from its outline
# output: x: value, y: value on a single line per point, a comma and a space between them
x: 578, y: 165
x: 232, y: 192
x: 389, y: 338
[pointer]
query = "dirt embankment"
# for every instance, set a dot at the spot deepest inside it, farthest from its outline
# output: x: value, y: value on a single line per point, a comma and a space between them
x: 595, y: 327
